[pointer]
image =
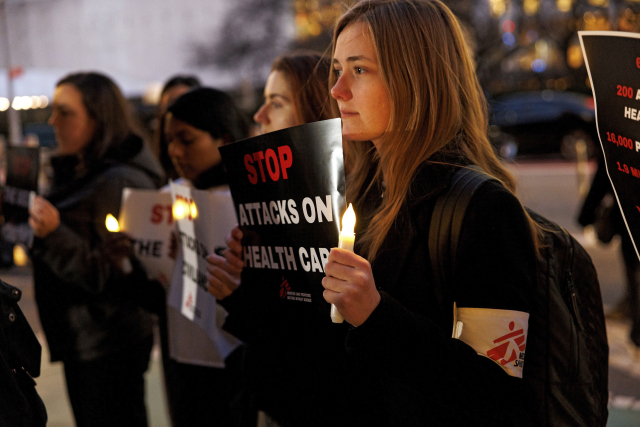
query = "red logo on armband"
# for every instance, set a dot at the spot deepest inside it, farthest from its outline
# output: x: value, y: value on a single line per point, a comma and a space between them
x: 514, y: 341
x: 284, y: 288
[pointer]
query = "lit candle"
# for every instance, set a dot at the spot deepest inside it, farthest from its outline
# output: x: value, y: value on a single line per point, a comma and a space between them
x: 346, y: 241
x: 112, y: 225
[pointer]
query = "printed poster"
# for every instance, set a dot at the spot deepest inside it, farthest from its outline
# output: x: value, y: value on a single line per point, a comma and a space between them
x: 203, y: 220
x: 288, y: 192
x: 613, y: 63
x: 145, y: 215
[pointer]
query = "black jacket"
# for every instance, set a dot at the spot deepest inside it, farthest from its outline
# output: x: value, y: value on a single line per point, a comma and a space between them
x: 401, y: 367
x: 20, y: 352
x: 87, y: 308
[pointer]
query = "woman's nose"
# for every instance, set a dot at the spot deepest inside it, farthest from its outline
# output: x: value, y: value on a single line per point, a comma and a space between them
x: 260, y: 116
x: 340, y: 89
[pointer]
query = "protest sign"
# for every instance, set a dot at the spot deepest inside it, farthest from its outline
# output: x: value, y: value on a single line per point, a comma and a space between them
x: 613, y: 64
x: 288, y: 192
x: 145, y: 215
x: 23, y: 168
x: 203, y: 220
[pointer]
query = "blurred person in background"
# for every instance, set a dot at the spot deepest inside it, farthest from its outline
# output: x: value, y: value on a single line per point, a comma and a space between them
x: 88, y: 302
x: 173, y: 88
x: 600, y: 209
x: 296, y: 93
x: 20, y: 354
x: 201, y: 373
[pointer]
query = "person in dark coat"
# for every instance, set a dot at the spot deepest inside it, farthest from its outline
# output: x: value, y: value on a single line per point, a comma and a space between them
x: 601, y: 209
x: 20, y: 353
x: 412, y: 114
x: 88, y: 300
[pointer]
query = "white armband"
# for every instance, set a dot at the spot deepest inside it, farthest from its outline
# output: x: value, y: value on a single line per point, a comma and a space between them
x: 500, y: 335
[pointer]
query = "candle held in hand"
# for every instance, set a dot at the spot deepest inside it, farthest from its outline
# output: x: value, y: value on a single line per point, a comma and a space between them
x: 346, y: 240
x: 112, y: 225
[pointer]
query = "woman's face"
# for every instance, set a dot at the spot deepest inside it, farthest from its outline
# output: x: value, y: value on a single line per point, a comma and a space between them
x: 363, y: 98
x: 192, y: 150
x: 278, y: 111
x: 73, y: 126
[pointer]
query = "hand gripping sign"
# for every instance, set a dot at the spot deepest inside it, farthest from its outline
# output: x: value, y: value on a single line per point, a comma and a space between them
x: 288, y: 191
x: 613, y: 63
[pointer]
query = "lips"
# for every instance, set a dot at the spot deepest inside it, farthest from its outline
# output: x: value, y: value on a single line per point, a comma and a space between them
x: 346, y: 114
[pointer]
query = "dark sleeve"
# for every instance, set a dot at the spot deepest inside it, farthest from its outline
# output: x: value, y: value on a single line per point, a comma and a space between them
x: 496, y: 269
x: 76, y: 259
x: 600, y: 186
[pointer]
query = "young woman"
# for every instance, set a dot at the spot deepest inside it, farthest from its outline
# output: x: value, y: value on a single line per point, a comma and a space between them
x: 173, y: 88
x: 295, y: 92
x: 199, y: 379
x: 413, y: 113
x: 88, y: 306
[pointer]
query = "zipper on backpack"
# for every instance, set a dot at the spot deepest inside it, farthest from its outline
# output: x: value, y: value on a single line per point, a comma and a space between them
x: 572, y: 291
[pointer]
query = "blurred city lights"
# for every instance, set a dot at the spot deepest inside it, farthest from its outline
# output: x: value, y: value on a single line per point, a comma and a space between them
x: 538, y: 65
x: 508, y: 38
x: 589, y: 18
x: 531, y: 6
x: 20, y: 257
x: 498, y: 7
x: 24, y: 102
x: 532, y: 36
x: 564, y: 5
x: 508, y: 26
x: 574, y: 56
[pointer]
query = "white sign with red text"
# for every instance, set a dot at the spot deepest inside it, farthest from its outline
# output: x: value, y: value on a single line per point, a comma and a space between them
x: 145, y: 215
x: 203, y: 220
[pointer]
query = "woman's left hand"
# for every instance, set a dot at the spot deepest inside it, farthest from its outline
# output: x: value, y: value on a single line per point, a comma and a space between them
x: 44, y: 217
x: 350, y: 286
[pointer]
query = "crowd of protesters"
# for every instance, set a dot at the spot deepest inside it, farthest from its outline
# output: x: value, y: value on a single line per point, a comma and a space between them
x: 401, y: 76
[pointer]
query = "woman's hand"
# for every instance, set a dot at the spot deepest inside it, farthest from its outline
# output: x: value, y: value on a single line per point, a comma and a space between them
x: 350, y: 286
x: 223, y: 272
x: 44, y: 217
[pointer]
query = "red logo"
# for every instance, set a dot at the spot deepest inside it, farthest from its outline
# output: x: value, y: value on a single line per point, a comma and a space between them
x: 189, y: 302
x: 284, y: 288
x: 515, y: 340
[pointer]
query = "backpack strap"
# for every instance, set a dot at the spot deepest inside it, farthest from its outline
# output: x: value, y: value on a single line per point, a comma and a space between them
x: 446, y: 225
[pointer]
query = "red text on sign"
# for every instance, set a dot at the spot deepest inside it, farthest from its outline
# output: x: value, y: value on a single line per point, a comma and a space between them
x: 159, y: 212
x: 274, y: 164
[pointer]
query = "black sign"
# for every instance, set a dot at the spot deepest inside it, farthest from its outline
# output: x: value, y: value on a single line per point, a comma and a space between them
x: 23, y: 166
x: 613, y: 63
x: 288, y: 192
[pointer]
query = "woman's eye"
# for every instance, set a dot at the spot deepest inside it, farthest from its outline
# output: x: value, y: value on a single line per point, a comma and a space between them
x: 359, y: 70
x: 276, y: 105
x: 338, y: 72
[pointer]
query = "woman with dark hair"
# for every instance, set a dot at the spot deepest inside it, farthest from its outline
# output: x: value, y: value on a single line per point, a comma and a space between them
x: 413, y: 113
x: 86, y: 299
x: 296, y: 92
x: 197, y: 124
x: 173, y: 88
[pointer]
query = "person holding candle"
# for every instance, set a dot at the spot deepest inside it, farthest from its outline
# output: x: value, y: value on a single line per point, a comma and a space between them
x: 196, y: 124
x: 88, y: 305
x: 412, y: 114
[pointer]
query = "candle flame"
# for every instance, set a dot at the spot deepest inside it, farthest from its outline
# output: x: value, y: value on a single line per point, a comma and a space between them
x: 194, y: 210
x: 348, y: 221
x: 179, y: 210
x: 112, y: 223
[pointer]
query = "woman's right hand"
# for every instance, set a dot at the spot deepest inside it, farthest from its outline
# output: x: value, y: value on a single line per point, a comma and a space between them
x: 44, y: 218
x: 223, y: 272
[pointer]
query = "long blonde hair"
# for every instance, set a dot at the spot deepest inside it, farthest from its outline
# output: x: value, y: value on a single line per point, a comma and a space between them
x: 436, y: 98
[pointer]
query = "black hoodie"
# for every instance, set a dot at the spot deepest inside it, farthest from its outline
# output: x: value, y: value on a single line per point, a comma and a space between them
x: 87, y: 306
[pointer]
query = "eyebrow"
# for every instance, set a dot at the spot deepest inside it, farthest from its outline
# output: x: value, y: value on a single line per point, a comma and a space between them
x: 354, y: 59
x: 277, y: 95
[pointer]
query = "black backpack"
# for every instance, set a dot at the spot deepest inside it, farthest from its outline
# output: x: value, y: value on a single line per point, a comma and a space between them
x: 567, y: 355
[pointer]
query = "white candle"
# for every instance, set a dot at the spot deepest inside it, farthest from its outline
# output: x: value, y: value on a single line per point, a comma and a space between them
x: 112, y: 225
x: 346, y: 240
